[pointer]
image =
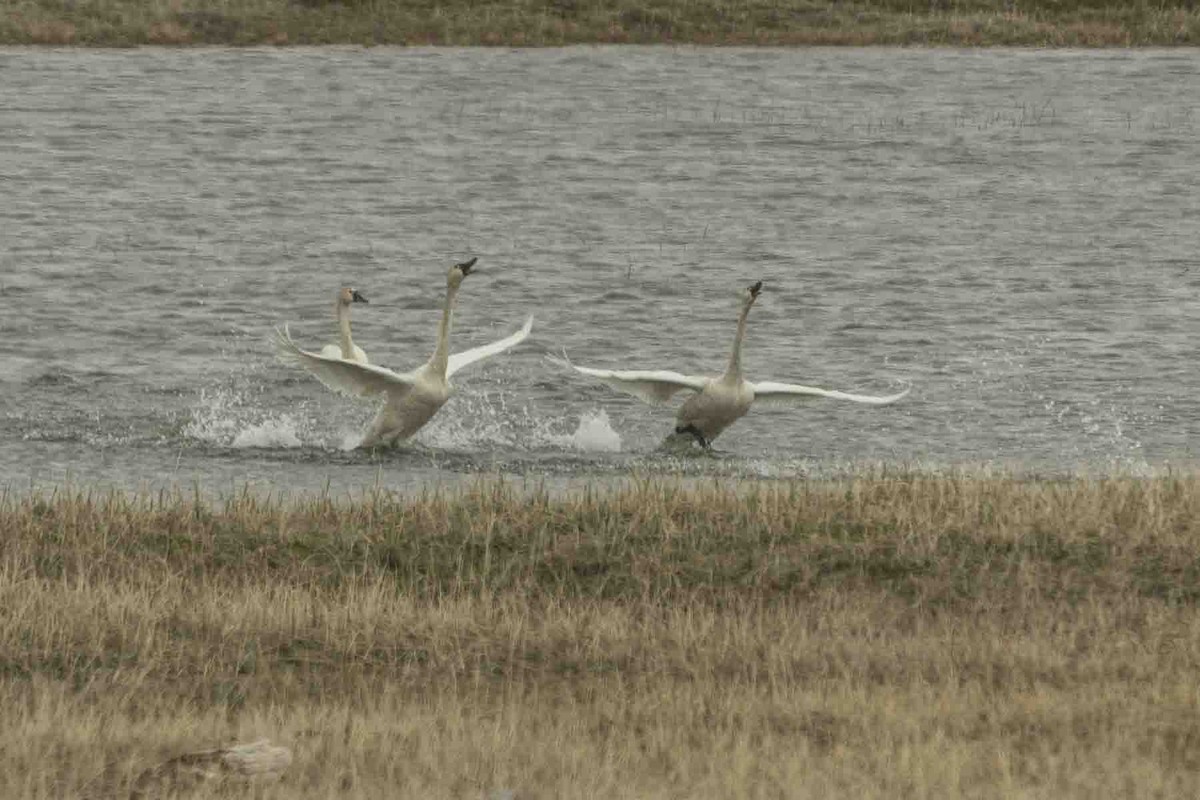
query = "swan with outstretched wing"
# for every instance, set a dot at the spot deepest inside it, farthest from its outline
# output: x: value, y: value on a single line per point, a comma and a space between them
x: 411, y: 398
x: 714, y: 404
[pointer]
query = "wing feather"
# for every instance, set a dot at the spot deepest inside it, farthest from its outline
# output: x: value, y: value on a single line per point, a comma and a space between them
x: 460, y: 360
x: 348, y: 377
x: 775, y: 392
x: 651, y: 386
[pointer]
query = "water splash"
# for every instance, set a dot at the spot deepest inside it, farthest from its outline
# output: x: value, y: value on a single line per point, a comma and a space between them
x: 1103, y: 435
x: 225, y: 417
x: 279, y: 432
x: 470, y: 421
x: 486, y: 420
x: 594, y: 434
x: 242, y: 417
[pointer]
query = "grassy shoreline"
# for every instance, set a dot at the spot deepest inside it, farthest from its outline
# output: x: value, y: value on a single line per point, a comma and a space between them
x: 908, y: 636
x: 539, y: 23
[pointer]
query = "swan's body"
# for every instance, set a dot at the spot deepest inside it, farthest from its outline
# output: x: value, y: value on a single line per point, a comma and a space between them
x: 717, y: 403
x: 412, y: 398
x: 345, y: 348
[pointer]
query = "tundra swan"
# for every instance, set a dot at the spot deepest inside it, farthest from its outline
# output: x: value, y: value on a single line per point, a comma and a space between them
x: 346, y: 348
x: 716, y: 403
x: 412, y: 398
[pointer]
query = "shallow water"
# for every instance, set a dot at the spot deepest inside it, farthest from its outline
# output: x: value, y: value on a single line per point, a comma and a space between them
x: 1013, y: 232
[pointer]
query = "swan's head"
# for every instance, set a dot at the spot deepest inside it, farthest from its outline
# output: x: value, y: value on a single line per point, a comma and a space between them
x: 750, y: 293
x: 455, y: 277
x: 350, y: 295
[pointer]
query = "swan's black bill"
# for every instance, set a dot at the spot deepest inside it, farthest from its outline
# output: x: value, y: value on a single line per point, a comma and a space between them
x: 466, y: 266
x: 357, y: 297
x: 755, y: 289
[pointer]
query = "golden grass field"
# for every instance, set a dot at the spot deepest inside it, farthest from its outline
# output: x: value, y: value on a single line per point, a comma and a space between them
x: 883, y: 636
x: 969, y: 23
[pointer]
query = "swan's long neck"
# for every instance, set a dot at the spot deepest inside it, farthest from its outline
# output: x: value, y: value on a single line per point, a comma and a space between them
x: 441, y: 356
x: 734, y: 373
x: 343, y: 318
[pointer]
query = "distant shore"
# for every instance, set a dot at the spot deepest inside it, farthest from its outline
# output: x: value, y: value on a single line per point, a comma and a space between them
x: 545, y: 23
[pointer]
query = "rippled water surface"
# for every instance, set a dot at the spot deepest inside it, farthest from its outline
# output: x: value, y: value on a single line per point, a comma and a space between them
x: 1013, y: 232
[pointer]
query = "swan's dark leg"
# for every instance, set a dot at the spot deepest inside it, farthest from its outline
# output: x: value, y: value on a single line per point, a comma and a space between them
x: 695, y: 432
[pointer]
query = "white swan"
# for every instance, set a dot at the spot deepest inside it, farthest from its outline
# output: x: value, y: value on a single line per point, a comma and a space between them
x: 346, y: 348
x: 716, y: 403
x: 412, y: 397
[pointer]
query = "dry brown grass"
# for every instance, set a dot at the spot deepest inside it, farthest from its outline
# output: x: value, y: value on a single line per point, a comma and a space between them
x: 875, y: 637
x: 1091, y: 23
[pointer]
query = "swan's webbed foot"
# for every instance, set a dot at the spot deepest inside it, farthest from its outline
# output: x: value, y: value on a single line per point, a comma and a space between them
x: 689, y: 442
x: 695, y: 433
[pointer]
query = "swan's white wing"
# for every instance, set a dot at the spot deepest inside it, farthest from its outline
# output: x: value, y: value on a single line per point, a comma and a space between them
x: 650, y: 385
x: 460, y: 360
x: 360, y: 380
x: 769, y: 392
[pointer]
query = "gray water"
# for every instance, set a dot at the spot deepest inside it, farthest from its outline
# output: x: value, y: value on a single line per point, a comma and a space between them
x: 1011, y: 232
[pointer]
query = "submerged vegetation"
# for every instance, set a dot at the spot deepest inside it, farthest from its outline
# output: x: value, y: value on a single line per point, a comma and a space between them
x: 884, y: 636
x: 1085, y: 23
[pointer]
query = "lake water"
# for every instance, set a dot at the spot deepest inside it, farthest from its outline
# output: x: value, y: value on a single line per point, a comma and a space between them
x: 1014, y: 232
